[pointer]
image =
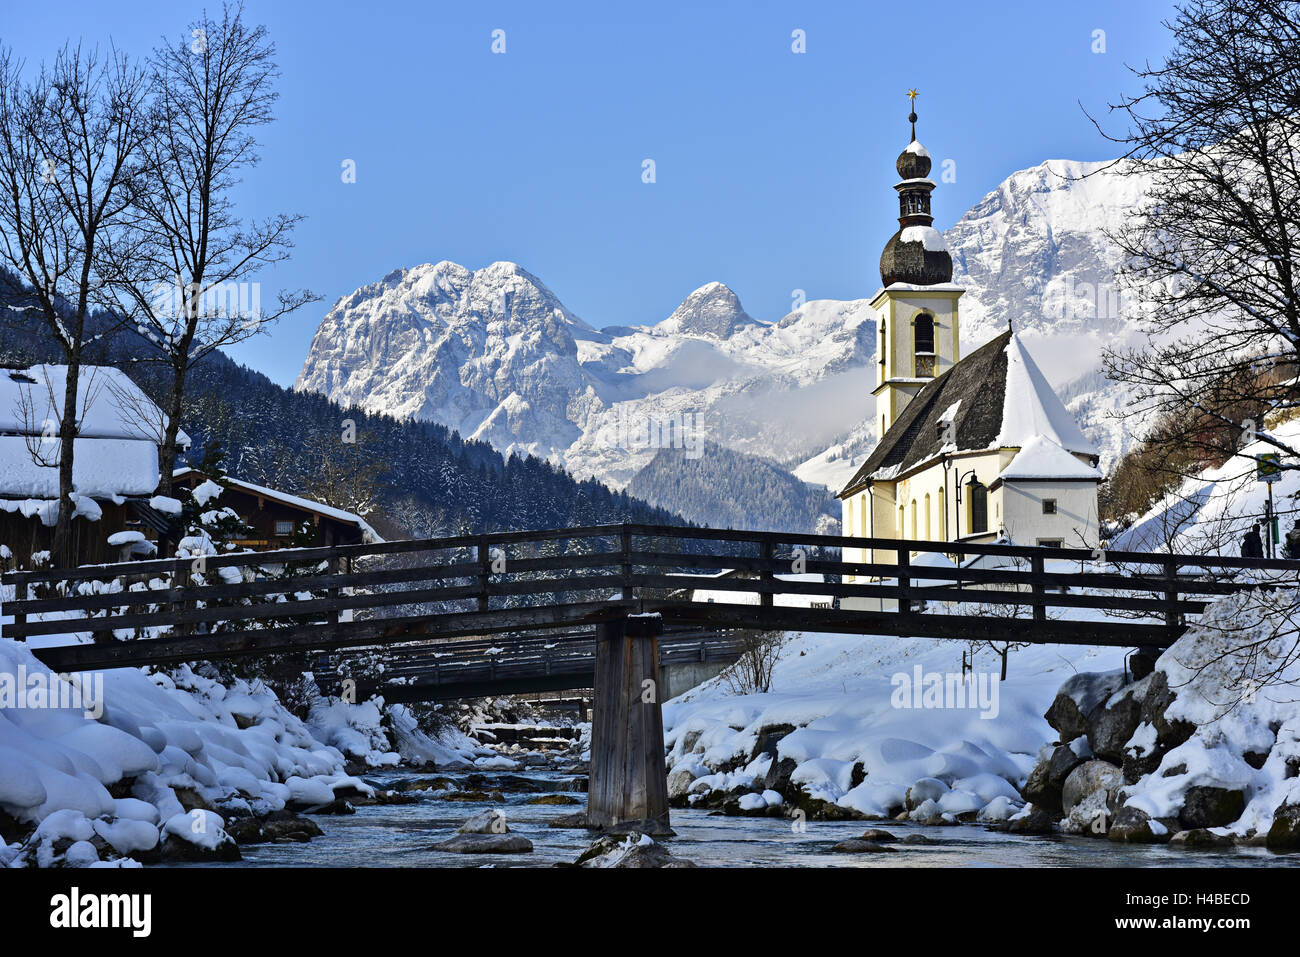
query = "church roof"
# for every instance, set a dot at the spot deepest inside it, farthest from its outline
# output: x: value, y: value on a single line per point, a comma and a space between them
x: 994, y: 398
x: 1043, y: 459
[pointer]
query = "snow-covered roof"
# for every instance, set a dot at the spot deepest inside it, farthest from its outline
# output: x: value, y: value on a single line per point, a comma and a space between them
x: 1031, y: 407
x: 109, y: 404
x: 367, y: 533
x: 101, y: 468
x: 1041, y: 458
x: 928, y: 236
x: 917, y: 148
x: 995, y: 398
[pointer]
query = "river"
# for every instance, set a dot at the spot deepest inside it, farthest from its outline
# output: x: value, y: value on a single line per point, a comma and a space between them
x: 401, y: 835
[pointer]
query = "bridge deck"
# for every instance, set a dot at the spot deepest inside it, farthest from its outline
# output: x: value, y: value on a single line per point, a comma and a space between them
x: 521, y: 584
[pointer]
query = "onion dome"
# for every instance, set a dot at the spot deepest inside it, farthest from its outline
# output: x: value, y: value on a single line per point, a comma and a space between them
x: 916, y: 254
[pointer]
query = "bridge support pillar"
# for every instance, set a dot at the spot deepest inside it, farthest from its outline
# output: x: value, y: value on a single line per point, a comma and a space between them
x: 628, y: 786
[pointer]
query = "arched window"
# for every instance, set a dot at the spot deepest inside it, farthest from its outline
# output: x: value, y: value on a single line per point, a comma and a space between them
x: 849, y: 529
x: 979, y: 507
x: 923, y: 333
x: 923, y: 344
x: 929, y: 535
x: 863, y: 520
x: 902, y: 517
x: 914, y: 519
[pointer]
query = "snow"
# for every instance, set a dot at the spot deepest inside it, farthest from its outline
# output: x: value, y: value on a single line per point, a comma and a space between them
x: 109, y: 404
x: 102, y: 468
x: 166, y: 732
x: 125, y: 538
x: 1041, y: 458
x: 1031, y: 407
x: 917, y: 149
x: 928, y: 236
x: 837, y: 692
x: 209, y: 490
x: 1209, y: 513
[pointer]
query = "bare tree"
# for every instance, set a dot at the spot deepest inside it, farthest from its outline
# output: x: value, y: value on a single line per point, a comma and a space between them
x: 181, y: 272
x: 1212, y: 254
x: 70, y: 146
x: 751, y: 673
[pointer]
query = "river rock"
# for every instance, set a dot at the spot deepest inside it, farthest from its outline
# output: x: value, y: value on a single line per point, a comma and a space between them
x: 1034, y: 820
x: 553, y: 799
x: 858, y: 846
x: 1211, y: 807
x: 1045, y: 782
x: 1111, y: 725
x: 769, y: 736
x: 1076, y: 699
x: 1088, y: 777
x: 1284, y: 835
x: 1091, y: 816
x: 1142, y: 754
x: 635, y: 851
x: 877, y: 836
x: 491, y: 821
x: 280, y: 827
x: 679, y: 785
x: 778, y: 777
x: 576, y: 820
x: 1155, y: 705
x: 1201, y: 838
x: 485, y: 844
x: 1134, y: 826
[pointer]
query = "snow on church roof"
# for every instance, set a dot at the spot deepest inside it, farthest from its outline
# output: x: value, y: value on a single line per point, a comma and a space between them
x: 994, y: 398
x: 1031, y: 407
x: 1041, y: 458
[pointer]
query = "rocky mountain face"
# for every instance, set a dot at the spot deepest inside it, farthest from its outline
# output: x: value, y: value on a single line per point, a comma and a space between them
x: 495, y: 355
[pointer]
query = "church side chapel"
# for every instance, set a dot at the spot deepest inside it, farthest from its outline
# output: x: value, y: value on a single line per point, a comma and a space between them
x: 972, y: 449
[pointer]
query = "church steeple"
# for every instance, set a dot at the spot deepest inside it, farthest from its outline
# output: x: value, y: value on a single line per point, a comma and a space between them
x: 916, y: 311
x: 916, y: 254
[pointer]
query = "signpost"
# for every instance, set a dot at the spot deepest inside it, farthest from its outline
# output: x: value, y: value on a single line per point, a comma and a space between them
x: 1268, y: 469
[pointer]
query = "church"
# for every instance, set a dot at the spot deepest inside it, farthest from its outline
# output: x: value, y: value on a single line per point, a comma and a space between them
x: 973, y: 449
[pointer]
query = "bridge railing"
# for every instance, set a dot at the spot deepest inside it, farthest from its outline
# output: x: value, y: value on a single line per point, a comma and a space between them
x: 511, y: 582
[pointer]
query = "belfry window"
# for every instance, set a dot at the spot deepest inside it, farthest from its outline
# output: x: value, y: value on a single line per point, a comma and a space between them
x: 923, y: 344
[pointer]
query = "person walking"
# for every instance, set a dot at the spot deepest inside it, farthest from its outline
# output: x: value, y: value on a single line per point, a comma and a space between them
x: 1293, y: 541
x: 1252, y: 546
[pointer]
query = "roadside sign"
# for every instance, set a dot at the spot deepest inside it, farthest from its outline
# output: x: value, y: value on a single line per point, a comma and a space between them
x: 1268, y: 467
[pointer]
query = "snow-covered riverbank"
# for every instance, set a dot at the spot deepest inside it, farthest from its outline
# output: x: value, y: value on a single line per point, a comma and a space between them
x: 845, y: 733
x: 174, y: 759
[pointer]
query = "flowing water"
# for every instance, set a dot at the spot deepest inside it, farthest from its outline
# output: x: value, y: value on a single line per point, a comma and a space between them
x: 401, y: 835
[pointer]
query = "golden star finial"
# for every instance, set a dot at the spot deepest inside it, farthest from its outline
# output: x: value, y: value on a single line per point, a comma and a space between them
x: 912, y: 95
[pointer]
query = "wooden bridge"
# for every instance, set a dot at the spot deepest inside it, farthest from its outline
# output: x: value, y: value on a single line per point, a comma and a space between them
x: 480, y: 667
x: 413, y: 599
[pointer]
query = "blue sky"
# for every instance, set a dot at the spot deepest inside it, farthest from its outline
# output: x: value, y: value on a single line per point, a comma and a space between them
x: 773, y: 169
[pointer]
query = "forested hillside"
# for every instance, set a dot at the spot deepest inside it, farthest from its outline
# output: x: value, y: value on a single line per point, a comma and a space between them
x: 413, y: 478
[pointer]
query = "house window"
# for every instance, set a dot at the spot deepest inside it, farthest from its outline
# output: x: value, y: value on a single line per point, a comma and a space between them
x: 1049, y: 506
x: 979, y: 508
x: 1052, y: 542
x: 283, y: 528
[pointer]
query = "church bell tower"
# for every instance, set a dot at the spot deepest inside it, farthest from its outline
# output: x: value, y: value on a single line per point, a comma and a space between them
x: 916, y: 308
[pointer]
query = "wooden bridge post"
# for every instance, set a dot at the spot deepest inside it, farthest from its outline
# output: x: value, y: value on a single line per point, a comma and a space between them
x: 484, y: 572
x: 1039, y: 590
x: 625, y: 568
x: 1171, y: 598
x: 628, y: 786
x: 768, y: 553
x: 904, y: 580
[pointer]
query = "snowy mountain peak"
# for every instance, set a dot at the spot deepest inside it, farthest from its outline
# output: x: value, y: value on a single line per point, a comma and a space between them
x: 712, y: 310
